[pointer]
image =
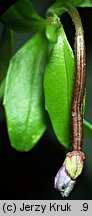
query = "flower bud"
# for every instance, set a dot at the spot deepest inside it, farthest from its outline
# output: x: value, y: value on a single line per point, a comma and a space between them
x: 74, y: 163
x: 63, y: 182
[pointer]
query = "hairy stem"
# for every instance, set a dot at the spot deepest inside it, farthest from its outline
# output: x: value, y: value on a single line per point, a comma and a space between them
x: 80, y: 79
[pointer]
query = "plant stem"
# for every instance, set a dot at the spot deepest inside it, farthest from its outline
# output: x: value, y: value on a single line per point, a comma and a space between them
x: 80, y: 79
x: 80, y: 76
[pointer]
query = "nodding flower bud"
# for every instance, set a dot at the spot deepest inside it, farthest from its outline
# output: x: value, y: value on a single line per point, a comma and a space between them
x: 74, y: 163
x: 63, y: 182
x: 70, y: 170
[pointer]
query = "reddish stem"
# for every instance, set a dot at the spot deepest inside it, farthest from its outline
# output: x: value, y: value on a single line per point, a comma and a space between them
x: 80, y: 78
x: 79, y: 89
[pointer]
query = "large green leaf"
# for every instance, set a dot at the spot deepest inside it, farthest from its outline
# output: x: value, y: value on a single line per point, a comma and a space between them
x: 23, y: 99
x: 22, y: 17
x: 58, y: 87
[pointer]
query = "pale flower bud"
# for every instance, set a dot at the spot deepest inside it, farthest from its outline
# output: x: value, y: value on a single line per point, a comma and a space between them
x: 63, y: 182
x: 74, y: 163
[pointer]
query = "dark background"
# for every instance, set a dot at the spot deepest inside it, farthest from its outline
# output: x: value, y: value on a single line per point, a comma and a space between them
x: 31, y: 175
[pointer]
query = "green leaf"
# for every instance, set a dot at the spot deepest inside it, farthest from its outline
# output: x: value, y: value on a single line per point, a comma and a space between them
x: 23, y: 99
x: 6, y: 44
x: 58, y: 87
x: 22, y: 17
x: 52, y: 28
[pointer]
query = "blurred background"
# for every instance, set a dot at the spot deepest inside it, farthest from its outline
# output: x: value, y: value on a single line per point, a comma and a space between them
x: 31, y: 175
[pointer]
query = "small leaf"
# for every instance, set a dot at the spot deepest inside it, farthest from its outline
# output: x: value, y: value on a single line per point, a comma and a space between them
x: 22, y: 17
x: 52, y: 29
x: 6, y: 44
x: 23, y: 99
x: 58, y: 87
